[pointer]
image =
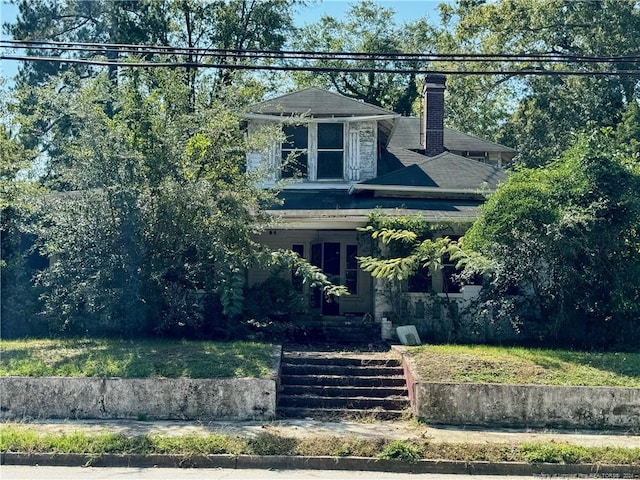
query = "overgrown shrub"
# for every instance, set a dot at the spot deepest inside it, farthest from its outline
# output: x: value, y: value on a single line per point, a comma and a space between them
x: 271, y: 308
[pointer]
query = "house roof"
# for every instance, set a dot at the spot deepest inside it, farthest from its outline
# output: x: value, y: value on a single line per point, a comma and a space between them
x: 337, y: 209
x: 446, y: 171
x: 458, y: 141
x: 407, y: 133
x: 318, y: 103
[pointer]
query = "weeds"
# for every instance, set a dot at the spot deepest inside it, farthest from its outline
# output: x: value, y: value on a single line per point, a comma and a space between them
x: 401, y: 450
x: 23, y: 439
x: 489, y: 364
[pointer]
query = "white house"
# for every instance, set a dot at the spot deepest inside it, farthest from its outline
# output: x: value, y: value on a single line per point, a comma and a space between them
x: 352, y: 158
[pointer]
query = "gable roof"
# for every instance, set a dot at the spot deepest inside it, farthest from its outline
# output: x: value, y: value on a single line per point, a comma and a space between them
x: 318, y: 103
x: 407, y: 133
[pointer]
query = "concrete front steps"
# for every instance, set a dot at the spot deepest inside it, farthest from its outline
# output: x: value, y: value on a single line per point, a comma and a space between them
x: 325, y: 384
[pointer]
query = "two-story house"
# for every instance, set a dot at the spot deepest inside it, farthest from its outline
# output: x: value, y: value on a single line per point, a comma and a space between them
x: 352, y: 158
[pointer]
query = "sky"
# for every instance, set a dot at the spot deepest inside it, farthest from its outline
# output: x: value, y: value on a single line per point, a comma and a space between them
x: 406, y: 10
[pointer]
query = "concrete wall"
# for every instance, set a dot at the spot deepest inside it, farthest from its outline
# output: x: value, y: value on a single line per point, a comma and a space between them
x: 528, y: 405
x: 496, y: 405
x: 141, y: 398
x: 135, y: 398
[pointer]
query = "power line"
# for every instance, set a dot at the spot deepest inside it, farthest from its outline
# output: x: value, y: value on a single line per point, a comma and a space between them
x: 345, y: 69
x: 289, y: 60
x: 311, y: 55
x: 145, y: 50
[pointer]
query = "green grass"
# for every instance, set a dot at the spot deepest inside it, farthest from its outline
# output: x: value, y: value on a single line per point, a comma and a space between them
x: 134, y: 359
x: 483, y: 364
x: 18, y: 438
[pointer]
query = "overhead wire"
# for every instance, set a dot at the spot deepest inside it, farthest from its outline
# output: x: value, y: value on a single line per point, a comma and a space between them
x: 311, y: 54
x: 240, y: 66
x: 137, y: 56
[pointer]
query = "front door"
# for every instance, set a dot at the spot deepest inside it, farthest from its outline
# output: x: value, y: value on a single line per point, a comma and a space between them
x: 327, y: 256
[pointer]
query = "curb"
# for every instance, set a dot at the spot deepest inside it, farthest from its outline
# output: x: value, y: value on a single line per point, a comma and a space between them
x: 283, y: 462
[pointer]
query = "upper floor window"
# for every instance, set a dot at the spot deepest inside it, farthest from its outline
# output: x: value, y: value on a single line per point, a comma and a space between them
x: 330, y: 151
x: 295, y: 160
x: 318, y: 149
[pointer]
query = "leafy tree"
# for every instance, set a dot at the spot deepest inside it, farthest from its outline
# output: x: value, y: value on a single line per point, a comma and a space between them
x: 628, y: 130
x: 561, y: 248
x: 368, y: 28
x: 539, y: 114
x: 426, y: 253
x: 407, y: 245
x: 18, y: 300
x: 240, y: 25
x: 159, y: 208
x: 155, y: 226
x: 92, y: 21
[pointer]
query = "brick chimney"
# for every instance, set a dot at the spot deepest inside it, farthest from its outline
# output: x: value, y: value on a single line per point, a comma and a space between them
x: 434, y: 114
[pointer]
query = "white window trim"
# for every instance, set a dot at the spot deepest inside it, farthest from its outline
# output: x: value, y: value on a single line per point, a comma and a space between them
x: 312, y: 152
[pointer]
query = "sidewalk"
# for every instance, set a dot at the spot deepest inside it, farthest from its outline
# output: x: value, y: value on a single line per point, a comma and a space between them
x: 313, y: 428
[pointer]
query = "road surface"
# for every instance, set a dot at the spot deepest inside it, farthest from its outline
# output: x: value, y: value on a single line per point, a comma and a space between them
x: 10, y: 472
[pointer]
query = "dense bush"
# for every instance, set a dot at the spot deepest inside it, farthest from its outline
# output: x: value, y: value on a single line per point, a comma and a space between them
x: 272, y: 309
x: 560, y: 248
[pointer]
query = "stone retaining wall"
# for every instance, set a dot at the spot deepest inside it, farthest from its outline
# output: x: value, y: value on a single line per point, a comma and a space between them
x: 141, y: 398
x: 497, y: 405
x: 528, y: 405
x: 136, y: 398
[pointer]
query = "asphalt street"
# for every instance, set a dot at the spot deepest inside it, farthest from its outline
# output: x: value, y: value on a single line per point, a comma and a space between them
x: 8, y: 472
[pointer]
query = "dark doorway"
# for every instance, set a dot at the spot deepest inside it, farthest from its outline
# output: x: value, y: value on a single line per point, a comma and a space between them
x: 327, y: 257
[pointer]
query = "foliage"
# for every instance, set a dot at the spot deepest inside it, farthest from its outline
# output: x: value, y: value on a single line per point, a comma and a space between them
x: 554, y: 453
x: 539, y: 114
x: 98, y: 21
x: 148, y: 223
x: 368, y: 28
x: 24, y: 438
x: 309, y: 273
x: 226, y: 25
x: 400, y: 450
x: 17, y: 263
x: 526, y: 366
x: 153, y: 220
x: 407, y: 249
x: 135, y: 359
x: 560, y: 246
x: 271, y: 308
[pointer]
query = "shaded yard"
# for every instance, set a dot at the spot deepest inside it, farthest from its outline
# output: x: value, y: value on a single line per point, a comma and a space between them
x: 135, y: 358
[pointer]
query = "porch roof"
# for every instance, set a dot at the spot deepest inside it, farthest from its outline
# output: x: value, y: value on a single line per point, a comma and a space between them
x: 337, y: 209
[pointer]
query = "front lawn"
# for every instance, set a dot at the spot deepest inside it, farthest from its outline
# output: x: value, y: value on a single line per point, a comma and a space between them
x: 483, y: 364
x: 135, y: 358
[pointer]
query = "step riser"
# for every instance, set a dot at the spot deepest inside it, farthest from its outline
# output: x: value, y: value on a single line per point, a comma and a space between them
x: 357, y: 362
x: 325, y: 391
x: 293, y: 412
x: 337, y: 402
x: 342, y: 381
x: 340, y: 370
